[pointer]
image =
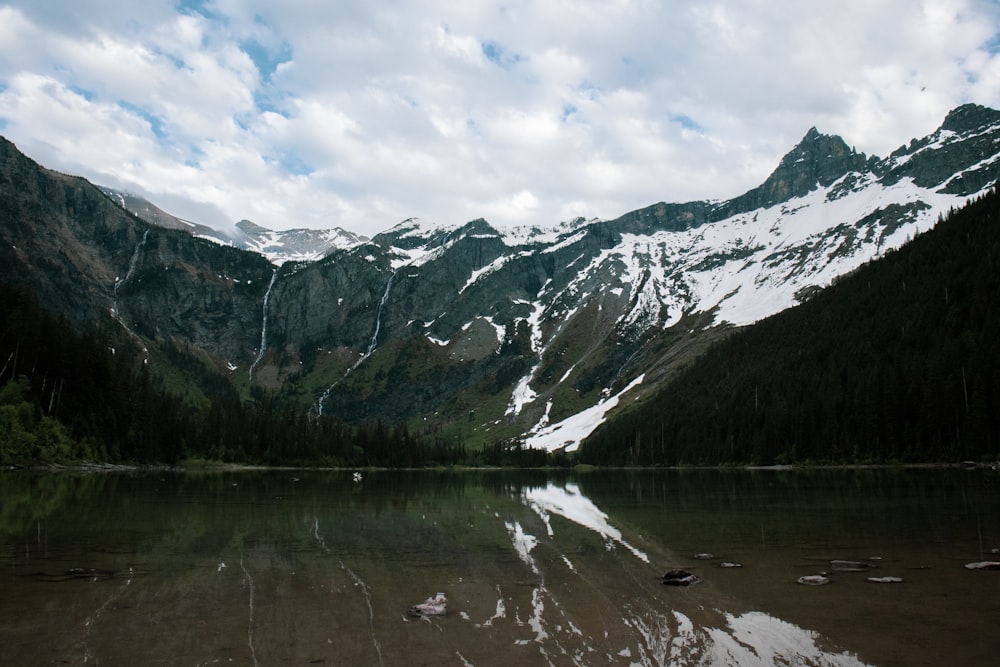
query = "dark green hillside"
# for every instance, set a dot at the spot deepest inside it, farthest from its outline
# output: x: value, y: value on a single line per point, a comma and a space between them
x: 67, y: 397
x: 899, y: 361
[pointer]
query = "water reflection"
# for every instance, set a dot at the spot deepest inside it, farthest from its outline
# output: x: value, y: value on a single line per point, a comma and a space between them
x: 537, y: 568
x: 567, y: 501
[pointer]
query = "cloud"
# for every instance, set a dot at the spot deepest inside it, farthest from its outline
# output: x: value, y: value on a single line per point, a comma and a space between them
x: 360, y: 114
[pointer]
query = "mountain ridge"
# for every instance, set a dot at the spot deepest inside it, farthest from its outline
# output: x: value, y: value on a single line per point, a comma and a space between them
x: 817, y: 159
x: 488, y: 334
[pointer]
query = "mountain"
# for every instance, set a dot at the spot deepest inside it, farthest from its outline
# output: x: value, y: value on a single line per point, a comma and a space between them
x: 293, y: 245
x: 474, y: 332
x: 151, y: 213
x: 897, y: 362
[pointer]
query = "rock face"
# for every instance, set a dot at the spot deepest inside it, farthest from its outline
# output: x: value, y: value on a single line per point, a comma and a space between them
x: 88, y: 259
x: 819, y: 160
x: 473, y: 331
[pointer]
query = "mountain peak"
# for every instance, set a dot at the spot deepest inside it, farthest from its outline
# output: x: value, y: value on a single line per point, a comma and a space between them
x: 817, y: 160
x: 970, y: 117
x: 816, y: 147
x: 252, y: 228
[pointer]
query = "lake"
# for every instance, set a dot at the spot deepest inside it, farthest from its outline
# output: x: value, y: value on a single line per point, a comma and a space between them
x: 537, y: 567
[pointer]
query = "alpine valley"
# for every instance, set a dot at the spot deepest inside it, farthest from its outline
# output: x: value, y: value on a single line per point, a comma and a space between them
x: 473, y: 332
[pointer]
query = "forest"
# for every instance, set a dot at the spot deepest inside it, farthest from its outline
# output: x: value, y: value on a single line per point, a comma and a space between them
x: 898, y: 362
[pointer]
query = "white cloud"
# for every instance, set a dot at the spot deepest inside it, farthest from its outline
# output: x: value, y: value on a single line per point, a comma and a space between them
x: 362, y: 114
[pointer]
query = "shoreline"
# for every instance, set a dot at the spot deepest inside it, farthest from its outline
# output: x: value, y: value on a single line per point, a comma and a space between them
x: 205, y: 467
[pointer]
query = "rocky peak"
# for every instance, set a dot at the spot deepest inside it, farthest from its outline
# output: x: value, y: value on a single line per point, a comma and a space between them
x: 479, y: 227
x: 941, y: 160
x: 817, y: 160
x: 251, y: 228
x: 969, y: 118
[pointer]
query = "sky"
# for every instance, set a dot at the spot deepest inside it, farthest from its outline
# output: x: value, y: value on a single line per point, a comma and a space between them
x: 361, y: 114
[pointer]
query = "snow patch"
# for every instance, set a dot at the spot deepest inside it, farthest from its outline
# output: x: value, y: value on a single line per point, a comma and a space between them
x: 570, y: 432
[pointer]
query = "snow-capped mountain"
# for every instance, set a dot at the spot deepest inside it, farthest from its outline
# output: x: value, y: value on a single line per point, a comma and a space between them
x: 482, y: 333
x: 292, y: 245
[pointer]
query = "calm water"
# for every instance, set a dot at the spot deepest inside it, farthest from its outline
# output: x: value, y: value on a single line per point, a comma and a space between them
x: 280, y: 567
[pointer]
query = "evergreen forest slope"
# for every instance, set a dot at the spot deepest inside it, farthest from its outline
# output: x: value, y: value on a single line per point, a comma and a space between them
x: 68, y: 397
x: 897, y: 362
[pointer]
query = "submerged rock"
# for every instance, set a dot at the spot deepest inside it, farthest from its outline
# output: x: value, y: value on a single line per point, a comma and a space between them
x: 813, y: 580
x: 679, y: 578
x: 704, y: 556
x: 885, y: 580
x: 435, y: 606
x: 728, y: 564
x: 851, y: 566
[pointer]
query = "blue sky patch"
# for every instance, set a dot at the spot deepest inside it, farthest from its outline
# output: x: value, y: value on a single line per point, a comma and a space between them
x: 497, y: 54
x: 265, y: 59
x: 266, y: 99
x: 202, y: 7
x: 993, y: 44
x: 686, y: 122
x: 291, y: 163
x: 82, y: 92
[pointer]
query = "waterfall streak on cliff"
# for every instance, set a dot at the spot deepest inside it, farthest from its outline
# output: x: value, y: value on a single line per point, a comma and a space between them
x: 121, y: 281
x: 263, y: 325
x: 318, y: 405
x: 378, y: 323
x: 135, y: 256
x: 131, y: 267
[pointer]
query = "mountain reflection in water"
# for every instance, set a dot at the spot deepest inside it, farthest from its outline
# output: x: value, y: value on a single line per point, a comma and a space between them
x: 536, y: 568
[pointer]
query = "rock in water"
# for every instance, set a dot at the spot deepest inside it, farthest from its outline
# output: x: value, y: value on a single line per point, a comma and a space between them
x: 435, y: 606
x: 813, y: 580
x: 983, y: 565
x: 679, y: 578
x: 885, y: 580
